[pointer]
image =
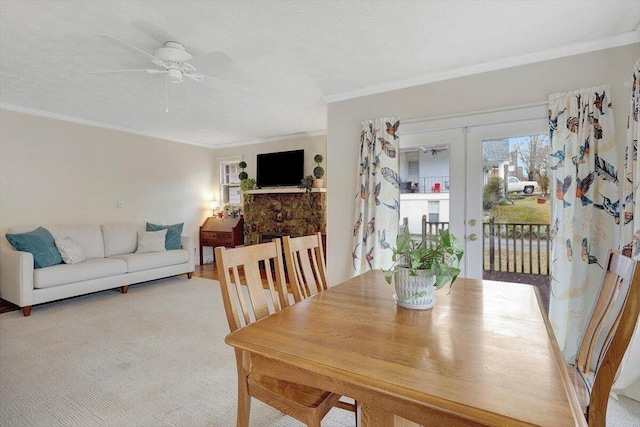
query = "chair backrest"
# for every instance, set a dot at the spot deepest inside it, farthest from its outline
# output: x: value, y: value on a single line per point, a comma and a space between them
x: 609, y: 331
x: 306, y: 267
x: 234, y: 286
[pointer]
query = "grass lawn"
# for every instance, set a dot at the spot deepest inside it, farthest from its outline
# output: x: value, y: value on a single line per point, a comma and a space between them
x: 525, y: 210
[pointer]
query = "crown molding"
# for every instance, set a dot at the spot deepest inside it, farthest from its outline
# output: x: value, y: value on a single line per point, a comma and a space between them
x: 80, y: 121
x: 617, y: 40
x: 77, y: 120
x: 311, y: 134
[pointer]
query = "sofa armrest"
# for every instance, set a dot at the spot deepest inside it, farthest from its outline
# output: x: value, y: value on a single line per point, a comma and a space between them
x: 16, y: 277
x: 189, y: 245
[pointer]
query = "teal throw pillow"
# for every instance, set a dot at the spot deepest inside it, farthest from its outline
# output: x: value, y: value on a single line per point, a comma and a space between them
x: 40, y: 243
x: 174, y: 233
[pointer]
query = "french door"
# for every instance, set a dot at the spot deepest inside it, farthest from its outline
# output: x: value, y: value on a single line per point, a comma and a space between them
x: 462, y: 138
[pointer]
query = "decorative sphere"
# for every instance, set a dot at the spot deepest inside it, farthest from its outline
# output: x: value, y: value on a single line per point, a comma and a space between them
x: 243, y: 175
x: 242, y: 165
x: 318, y: 172
x: 318, y: 158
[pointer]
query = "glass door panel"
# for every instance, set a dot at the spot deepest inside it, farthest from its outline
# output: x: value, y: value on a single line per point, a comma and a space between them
x: 429, y: 185
x: 514, y: 203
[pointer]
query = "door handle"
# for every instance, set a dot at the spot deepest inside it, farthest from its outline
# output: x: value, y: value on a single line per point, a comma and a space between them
x: 473, y: 237
x: 473, y: 222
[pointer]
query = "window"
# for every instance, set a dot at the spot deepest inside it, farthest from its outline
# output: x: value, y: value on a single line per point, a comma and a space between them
x: 229, y: 181
x: 434, y: 211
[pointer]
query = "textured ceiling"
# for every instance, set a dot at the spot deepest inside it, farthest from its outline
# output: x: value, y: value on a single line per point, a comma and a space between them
x: 291, y: 57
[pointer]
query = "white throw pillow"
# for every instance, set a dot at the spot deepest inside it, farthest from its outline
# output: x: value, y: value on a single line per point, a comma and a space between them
x: 151, y: 241
x: 70, y: 250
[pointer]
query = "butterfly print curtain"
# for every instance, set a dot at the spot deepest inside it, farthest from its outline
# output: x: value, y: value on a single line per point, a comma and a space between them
x: 631, y: 226
x: 628, y: 382
x: 586, y: 210
x: 377, y: 202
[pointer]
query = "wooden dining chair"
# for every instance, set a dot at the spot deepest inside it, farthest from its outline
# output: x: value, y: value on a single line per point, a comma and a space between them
x: 607, y: 337
x: 307, y: 273
x: 306, y: 404
x: 306, y: 268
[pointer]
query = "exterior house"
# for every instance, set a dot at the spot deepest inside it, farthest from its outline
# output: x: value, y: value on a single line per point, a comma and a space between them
x: 425, y: 175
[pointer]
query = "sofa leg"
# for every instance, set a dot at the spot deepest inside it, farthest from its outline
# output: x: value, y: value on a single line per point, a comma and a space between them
x: 190, y: 275
x: 26, y: 311
x: 124, y: 289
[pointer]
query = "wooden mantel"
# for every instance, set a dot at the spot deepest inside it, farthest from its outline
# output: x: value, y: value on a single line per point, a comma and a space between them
x: 285, y: 190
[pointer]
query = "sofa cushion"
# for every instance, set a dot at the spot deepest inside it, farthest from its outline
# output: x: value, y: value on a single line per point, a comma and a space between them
x: 88, y: 235
x: 63, y: 274
x: 151, y: 241
x: 120, y: 238
x: 174, y: 232
x: 146, y: 261
x: 70, y: 250
x: 40, y: 243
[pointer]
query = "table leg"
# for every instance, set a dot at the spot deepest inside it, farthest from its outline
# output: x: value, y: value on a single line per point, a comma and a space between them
x: 373, y: 416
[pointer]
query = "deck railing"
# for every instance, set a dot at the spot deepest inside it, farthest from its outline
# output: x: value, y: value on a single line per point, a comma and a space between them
x: 507, y: 247
x: 516, y: 248
x: 426, y: 184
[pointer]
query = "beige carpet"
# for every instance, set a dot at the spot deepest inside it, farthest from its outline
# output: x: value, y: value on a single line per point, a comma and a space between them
x: 153, y: 357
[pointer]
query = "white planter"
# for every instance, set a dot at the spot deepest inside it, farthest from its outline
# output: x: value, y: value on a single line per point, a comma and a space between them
x: 415, y: 292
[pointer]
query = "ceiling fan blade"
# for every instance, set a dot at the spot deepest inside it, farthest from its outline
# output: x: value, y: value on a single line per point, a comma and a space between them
x: 203, y: 77
x: 148, y: 70
x: 154, y: 31
x: 194, y: 76
x: 211, y: 61
x: 111, y: 38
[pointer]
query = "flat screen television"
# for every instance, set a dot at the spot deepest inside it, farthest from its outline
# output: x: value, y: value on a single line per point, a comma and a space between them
x: 285, y: 168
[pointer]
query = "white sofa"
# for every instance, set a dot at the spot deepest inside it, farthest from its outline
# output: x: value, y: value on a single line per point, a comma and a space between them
x: 111, y: 262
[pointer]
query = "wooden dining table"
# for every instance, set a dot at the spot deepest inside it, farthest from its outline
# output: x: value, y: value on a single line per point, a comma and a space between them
x: 484, y: 355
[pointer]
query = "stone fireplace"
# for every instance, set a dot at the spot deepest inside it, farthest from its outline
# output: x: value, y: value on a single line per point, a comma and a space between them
x: 283, y: 212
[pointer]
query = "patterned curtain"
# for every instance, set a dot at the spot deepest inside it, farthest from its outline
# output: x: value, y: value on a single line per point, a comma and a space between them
x: 586, y: 212
x: 377, y: 202
x: 629, y: 381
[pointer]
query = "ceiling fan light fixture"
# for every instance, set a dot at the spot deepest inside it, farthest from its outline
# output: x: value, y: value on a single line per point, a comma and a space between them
x: 172, y: 51
x: 174, y: 75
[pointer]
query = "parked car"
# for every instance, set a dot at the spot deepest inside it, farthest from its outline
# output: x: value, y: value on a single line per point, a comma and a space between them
x: 515, y: 185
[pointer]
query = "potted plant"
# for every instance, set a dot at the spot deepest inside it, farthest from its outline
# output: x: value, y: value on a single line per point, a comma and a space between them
x: 247, y: 184
x: 420, y: 266
x: 306, y: 183
x: 243, y: 175
x: 318, y: 172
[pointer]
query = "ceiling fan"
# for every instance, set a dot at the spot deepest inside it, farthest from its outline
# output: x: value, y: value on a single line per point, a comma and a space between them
x: 176, y: 63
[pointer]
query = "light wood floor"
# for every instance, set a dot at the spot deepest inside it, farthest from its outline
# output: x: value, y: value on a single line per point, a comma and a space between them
x: 206, y: 271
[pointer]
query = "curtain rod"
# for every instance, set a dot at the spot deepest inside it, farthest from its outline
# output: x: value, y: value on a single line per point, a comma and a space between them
x: 475, y: 113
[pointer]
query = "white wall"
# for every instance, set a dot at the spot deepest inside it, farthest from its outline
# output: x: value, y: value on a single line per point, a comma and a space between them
x: 497, y: 89
x: 434, y: 165
x: 57, y: 172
